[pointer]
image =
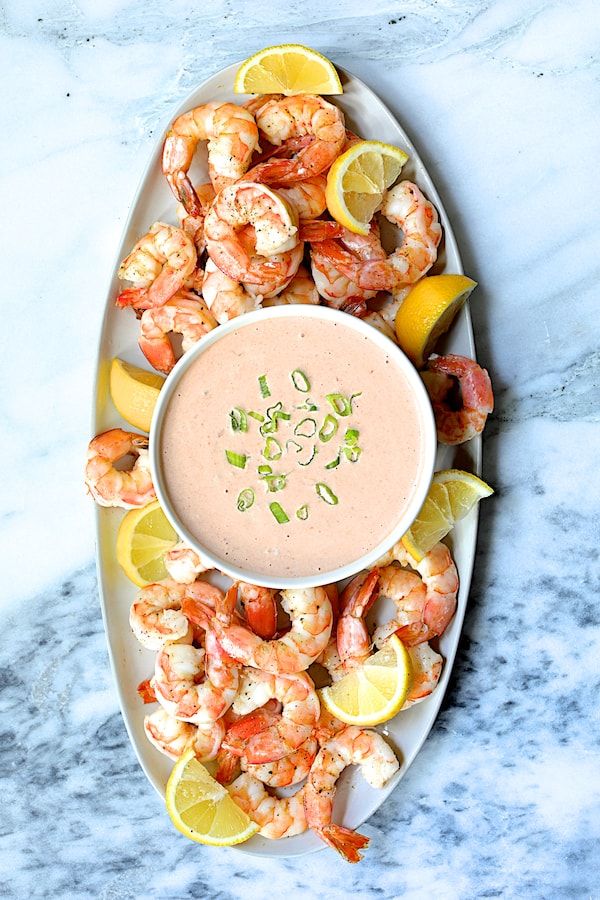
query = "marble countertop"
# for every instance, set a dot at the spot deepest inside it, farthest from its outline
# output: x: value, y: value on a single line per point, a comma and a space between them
x: 501, y: 97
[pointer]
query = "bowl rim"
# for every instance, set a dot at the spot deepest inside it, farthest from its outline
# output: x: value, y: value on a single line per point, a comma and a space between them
x: 366, y: 560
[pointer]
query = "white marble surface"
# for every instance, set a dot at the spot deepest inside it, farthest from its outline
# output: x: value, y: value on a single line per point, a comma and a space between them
x: 501, y: 99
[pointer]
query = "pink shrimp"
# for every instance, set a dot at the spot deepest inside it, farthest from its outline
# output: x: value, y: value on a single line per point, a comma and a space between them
x: 425, y: 599
x: 353, y: 641
x: 457, y: 423
x: 194, y: 225
x: 361, y: 260
x: 110, y: 486
x: 185, y: 314
x: 301, y: 289
x: 159, y: 265
x: 405, y: 206
x: 260, y: 609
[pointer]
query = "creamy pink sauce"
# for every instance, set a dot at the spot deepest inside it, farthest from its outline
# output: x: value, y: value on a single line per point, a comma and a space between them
x: 372, y: 492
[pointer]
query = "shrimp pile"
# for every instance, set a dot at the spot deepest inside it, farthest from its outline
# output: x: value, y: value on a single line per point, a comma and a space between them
x: 228, y: 679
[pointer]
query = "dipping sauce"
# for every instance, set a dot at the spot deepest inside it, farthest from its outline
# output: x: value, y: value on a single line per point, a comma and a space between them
x: 323, y: 470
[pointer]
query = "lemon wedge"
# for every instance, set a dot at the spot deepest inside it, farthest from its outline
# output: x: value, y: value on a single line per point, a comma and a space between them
x: 357, y: 181
x: 201, y: 808
x: 287, y: 69
x: 374, y: 692
x: 453, y: 494
x: 144, y: 536
x: 428, y: 311
x: 134, y: 392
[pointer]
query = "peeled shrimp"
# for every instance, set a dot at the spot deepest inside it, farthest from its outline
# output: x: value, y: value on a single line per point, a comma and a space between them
x: 353, y: 641
x: 310, y: 612
x: 307, y: 197
x: 301, y: 116
x: 173, y: 737
x: 277, y: 252
x: 194, y: 225
x: 110, y: 486
x: 159, y: 265
x: 301, y: 289
x: 291, y: 769
x: 352, y: 746
x: 176, y: 681
x: 156, y: 617
x: 361, y: 259
x: 426, y: 666
x: 225, y: 297
x: 278, y: 817
x: 425, y: 599
x: 455, y: 426
x: 377, y: 321
x: 184, y: 565
x: 260, y: 608
x: 184, y: 314
x: 405, y: 206
x: 289, y: 729
x: 232, y: 138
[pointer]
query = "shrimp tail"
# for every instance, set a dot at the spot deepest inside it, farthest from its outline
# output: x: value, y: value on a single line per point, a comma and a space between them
x: 137, y: 298
x: 146, y: 691
x: 184, y: 190
x: 348, y: 843
x: 315, y: 230
x: 158, y: 352
x: 228, y: 766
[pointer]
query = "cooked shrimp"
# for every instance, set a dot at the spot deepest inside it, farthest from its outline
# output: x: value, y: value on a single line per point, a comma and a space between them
x: 310, y: 612
x: 156, y: 617
x: 184, y: 314
x: 288, y: 770
x: 377, y: 321
x: 173, y: 737
x: 184, y: 565
x: 225, y: 297
x: 330, y: 660
x: 457, y: 423
x: 194, y: 225
x: 405, y: 206
x: 425, y: 600
x: 158, y: 266
x: 353, y: 641
x: 260, y: 609
x: 307, y: 197
x: 275, y: 234
x: 352, y: 746
x: 176, y: 681
x: 110, y: 486
x: 290, y: 729
x: 254, y: 104
x: 361, y: 259
x: 305, y: 115
x: 278, y: 817
x: 426, y: 670
x: 301, y: 289
x: 232, y: 138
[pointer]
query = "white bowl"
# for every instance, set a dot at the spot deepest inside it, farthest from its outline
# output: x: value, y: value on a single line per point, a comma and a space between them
x: 427, y: 428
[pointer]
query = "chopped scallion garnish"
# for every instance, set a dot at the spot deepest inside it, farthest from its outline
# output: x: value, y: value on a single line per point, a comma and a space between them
x: 334, y: 463
x: 328, y: 428
x: 326, y: 494
x: 302, y: 511
x: 273, y: 449
x: 276, y: 482
x: 300, y: 381
x: 279, y: 513
x: 342, y: 405
x: 297, y: 447
x: 310, y: 459
x: 236, y: 459
x: 306, y: 428
x: 265, y: 470
x: 245, y: 499
x: 352, y: 453
x: 264, y: 387
x: 309, y: 405
x: 351, y: 437
x: 239, y: 419
x: 276, y: 412
x: 256, y: 415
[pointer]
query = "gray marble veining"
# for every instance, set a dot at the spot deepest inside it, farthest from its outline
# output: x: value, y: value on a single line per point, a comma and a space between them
x: 501, y: 97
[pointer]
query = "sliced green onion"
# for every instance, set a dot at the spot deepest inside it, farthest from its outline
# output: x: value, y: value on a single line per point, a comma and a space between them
x: 328, y: 428
x: 315, y: 450
x: 276, y: 412
x: 265, y: 470
x: 334, y: 463
x: 256, y: 415
x: 268, y: 427
x: 276, y: 482
x: 245, y: 499
x: 273, y: 449
x: 352, y: 396
x: 351, y: 437
x: 300, y: 381
x: 239, y: 419
x: 279, y: 513
x: 302, y: 512
x: 236, y: 459
x: 295, y: 444
x: 309, y: 405
x: 264, y: 387
x: 326, y: 494
x: 342, y: 405
x: 306, y: 428
x: 352, y: 453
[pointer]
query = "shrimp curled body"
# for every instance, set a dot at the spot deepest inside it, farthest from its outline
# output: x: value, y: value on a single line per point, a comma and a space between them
x: 110, y: 486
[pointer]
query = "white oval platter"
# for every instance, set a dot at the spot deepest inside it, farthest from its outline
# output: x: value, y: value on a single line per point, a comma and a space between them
x: 355, y: 800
